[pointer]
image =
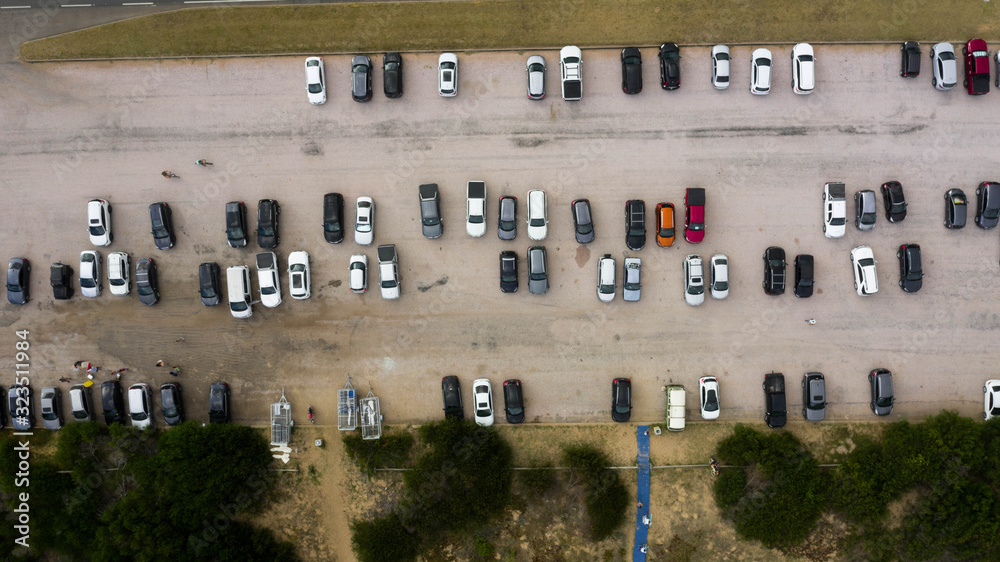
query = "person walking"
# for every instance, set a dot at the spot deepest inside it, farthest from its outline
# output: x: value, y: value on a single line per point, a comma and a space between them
x: 76, y: 366
x: 64, y: 379
x: 168, y: 174
x: 203, y: 163
x: 179, y: 340
x: 160, y: 363
x: 175, y: 371
x: 92, y: 368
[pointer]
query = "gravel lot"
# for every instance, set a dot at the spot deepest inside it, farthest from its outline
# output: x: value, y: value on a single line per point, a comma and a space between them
x: 73, y: 132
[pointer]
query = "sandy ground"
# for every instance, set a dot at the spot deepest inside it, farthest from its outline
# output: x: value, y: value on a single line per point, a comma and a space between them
x: 73, y: 132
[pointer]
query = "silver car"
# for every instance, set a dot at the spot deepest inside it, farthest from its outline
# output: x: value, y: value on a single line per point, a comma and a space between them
x: 694, y: 280
x: 538, y: 277
x: 945, y: 66
x: 632, y: 279
x: 51, y: 403
x: 536, y: 77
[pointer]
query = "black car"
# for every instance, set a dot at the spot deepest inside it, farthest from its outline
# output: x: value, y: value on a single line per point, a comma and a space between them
x: 22, y: 410
x: 267, y: 224
x: 507, y: 218
x: 451, y: 391
x: 430, y: 210
x: 774, y: 271
x: 775, y: 413
x: 171, y: 403
x: 803, y: 275
x: 17, y: 280
x: 635, y: 224
x: 911, y: 273
x: 621, y: 400
x: 113, y: 402
x: 236, y: 224
x: 333, y: 218
x: 161, y: 219
x: 3, y: 411
x: 145, y: 281
x: 911, y: 59
x: 61, y: 279
x: 988, y: 204
x: 631, y: 70
x: 955, y: 204
x: 218, y: 403
x: 880, y: 381
x: 813, y: 397
x: 508, y: 271
x: 513, y: 401
x: 894, y: 200
x: 392, y: 75
x: 361, y: 78
x: 670, y: 66
x: 583, y: 223
x: 208, y: 283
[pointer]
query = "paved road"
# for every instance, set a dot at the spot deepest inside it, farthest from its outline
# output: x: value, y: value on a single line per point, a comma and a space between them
x: 77, y: 131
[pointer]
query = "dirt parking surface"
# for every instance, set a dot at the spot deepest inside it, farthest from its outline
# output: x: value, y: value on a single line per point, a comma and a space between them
x: 78, y: 131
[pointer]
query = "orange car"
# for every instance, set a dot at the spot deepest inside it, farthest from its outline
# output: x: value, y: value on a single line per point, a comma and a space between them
x: 665, y: 224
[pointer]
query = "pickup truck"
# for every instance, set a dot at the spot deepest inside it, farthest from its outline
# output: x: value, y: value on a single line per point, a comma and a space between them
x: 675, y: 407
x: 774, y: 271
x: 694, y: 215
x: 775, y: 413
x: 571, y: 67
x: 388, y: 271
x: 834, y: 210
x: 475, y: 215
x: 977, y: 67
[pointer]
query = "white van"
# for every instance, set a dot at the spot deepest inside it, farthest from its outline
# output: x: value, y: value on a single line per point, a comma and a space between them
x: 238, y: 283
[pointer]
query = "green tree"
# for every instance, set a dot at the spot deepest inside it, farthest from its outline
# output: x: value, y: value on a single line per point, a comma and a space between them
x: 606, y: 497
x: 383, y: 539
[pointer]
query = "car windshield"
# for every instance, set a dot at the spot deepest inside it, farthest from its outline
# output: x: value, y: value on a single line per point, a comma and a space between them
x: 632, y: 286
x: 332, y: 224
x: 607, y: 288
x: 96, y: 230
x: 868, y: 218
x: 884, y: 402
x: 633, y: 60
x: 536, y: 67
x: 711, y: 400
x: 537, y: 222
x: 265, y: 230
x: 87, y: 282
x: 763, y: 62
x: 637, y: 230
x: 268, y: 290
x: 138, y: 416
x: 360, y: 68
x: 866, y: 262
x: 389, y: 284
x: 169, y: 412
x: 297, y: 267
x: 721, y: 286
x: 666, y: 232
x: 838, y: 221
x: 208, y: 292
x: 13, y: 288
x: 447, y: 66
x: 477, y: 219
x: 429, y: 211
x: 364, y: 225
x: 571, y: 60
x: 947, y: 56
x: 991, y: 213
x: 722, y: 56
x: 507, y: 225
x: 776, y: 263
x: 144, y: 289
x: 392, y: 65
x: 237, y: 306
x: 898, y: 207
x: 805, y: 58
x: 696, y: 288
x: 980, y: 54
x: 508, y: 277
x: 696, y: 226
x: 49, y: 415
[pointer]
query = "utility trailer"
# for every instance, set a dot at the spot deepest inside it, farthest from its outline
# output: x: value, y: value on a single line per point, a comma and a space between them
x: 371, y: 416
x: 281, y: 421
x: 347, y: 407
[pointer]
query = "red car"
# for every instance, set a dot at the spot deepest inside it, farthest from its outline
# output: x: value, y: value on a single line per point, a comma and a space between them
x: 694, y: 216
x: 977, y: 67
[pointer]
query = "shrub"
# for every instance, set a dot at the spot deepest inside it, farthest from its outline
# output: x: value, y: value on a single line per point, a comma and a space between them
x: 729, y: 486
x: 389, y: 451
x: 538, y: 480
x: 484, y: 548
x: 384, y: 539
x: 606, y: 497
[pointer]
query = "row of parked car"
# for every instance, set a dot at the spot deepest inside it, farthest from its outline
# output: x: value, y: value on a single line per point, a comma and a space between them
x: 139, y: 409
x: 911, y: 271
x: 945, y: 65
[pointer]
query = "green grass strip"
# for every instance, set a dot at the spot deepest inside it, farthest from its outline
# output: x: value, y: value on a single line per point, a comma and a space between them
x: 515, y: 24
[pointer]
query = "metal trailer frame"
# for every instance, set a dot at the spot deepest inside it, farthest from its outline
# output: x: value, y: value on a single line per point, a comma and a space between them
x: 281, y: 421
x: 347, y: 407
x: 371, y: 416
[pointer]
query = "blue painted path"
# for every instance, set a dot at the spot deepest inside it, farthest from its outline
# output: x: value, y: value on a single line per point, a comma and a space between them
x: 642, y: 508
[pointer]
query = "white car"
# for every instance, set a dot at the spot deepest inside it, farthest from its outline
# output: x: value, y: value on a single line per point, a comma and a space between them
x: 99, y: 222
x: 719, y: 268
x: 140, y: 406
x: 865, y: 277
x: 364, y: 221
x: 388, y: 271
x: 708, y: 393
x: 358, y: 273
x: 834, y: 210
x: 448, y: 75
x: 694, y: 280
x: 475, y: 209
x: 571, y: 72
x: 299, y: 281
x: 119, y: 280
x: 537, y: 215
x: 90, y: 273
x: 632, y: 280
x: 482, y: 400
x: 606, y: 285
x: 267, y: 278
x: 991, y: 398
x: 536, y: 77
x: 803, y: 69
x: 720, y: 67
x: 945, y: 66
x: 315, y: 81
x: 760, y: 72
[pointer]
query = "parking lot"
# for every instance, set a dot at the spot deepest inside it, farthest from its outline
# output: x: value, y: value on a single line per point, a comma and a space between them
x: 73, y: 132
